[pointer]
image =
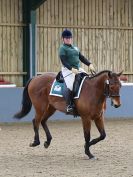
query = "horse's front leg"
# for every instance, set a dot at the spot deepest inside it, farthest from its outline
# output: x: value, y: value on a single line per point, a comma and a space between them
x: 36, y: 141
x: 99, y: 122
x: 86, y: 128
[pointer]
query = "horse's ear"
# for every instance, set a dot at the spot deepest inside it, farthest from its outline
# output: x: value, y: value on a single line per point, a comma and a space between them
x: 120, y: 73
x: 110, y: 74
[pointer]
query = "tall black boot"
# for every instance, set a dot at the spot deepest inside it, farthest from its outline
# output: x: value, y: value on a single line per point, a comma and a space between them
x: 69, y: 101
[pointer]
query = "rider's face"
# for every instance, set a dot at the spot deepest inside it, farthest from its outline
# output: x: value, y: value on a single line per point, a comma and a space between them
x: 67, y: 40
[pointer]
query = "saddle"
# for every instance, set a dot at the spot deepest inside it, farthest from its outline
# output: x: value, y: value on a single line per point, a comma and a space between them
x: 77, y: 82
x: 59, y: 77
x: 76, y: 87
x: 78, y: 79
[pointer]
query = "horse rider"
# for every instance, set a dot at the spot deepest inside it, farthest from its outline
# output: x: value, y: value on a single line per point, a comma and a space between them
x: 71, y: 57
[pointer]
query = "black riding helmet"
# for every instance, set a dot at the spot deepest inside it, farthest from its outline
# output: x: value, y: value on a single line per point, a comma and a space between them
x: 66, y: 34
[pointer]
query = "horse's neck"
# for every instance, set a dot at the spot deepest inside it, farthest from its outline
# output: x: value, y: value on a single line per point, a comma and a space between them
x: 100, y: 85
x: 100, y: 80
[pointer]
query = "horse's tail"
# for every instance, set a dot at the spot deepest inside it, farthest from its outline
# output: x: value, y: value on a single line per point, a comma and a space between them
x: 26, y: 103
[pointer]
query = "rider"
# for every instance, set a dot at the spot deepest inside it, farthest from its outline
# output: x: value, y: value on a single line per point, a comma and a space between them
x: 70, y: 57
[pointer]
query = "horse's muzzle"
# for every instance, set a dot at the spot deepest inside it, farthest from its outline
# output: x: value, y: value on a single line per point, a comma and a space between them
x: 115, y: 104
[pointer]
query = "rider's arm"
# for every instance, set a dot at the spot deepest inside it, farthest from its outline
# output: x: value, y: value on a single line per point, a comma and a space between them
x: 84, y: 60
x: 64, y: 62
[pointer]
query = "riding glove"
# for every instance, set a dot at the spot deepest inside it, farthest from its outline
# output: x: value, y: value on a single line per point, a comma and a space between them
x: 91, y: 68
x: 75, y: 71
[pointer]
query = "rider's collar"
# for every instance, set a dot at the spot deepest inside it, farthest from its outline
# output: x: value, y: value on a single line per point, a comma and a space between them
x: 70, y: 45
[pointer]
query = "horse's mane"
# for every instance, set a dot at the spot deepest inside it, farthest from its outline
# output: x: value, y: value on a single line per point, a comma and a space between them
x: 99, y: 73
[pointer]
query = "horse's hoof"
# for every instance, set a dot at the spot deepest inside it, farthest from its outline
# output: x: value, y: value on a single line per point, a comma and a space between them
x: 93, y: 158
x: 34, y: 144
x: 46, y: 145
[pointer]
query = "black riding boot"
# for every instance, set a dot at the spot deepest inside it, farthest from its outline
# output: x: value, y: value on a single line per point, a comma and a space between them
x: 69, y: 101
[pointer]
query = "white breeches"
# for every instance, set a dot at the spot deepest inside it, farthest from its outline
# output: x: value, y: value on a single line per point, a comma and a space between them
x: 69, y: 77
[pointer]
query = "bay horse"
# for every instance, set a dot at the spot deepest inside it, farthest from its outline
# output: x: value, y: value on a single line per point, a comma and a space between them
x: 90, y: 104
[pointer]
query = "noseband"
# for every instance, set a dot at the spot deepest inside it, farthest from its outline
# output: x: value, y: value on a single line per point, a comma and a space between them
x: 107, y: 90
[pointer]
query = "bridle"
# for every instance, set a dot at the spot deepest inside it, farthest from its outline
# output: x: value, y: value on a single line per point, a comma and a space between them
x: 107, y: 91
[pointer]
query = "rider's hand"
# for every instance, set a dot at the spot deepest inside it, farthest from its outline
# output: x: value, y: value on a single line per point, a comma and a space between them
x: 75, y: 71
x: 91, y: 68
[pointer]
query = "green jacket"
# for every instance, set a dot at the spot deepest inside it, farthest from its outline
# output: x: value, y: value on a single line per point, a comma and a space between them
x: 70, y: 56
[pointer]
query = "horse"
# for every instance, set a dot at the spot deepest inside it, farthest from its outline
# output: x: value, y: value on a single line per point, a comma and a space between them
x: 90, y: 105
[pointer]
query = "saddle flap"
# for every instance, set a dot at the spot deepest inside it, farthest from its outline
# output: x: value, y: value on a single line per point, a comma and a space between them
x: 78, y: 82
x: 58, y: 88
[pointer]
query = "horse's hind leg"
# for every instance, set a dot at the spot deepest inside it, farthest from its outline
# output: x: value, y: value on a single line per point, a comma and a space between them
x: 50, y: 111
x: 36, y: 123
x: 48, y: 134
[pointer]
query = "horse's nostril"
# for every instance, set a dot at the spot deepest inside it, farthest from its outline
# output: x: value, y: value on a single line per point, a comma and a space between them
x: 117, y: 106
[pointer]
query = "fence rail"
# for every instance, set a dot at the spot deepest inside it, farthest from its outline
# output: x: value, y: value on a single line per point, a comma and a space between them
x: 85, y: 27
x: 13, y: 73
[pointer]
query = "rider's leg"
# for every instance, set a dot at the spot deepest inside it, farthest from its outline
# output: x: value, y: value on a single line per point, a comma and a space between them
x: 69, y: 100
x: 69, y: 78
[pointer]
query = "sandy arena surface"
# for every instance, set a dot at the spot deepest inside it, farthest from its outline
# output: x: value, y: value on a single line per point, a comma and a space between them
x: 65, y: 157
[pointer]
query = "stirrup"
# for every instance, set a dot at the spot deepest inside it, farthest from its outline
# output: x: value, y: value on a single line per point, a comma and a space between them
x: 69, y: 108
